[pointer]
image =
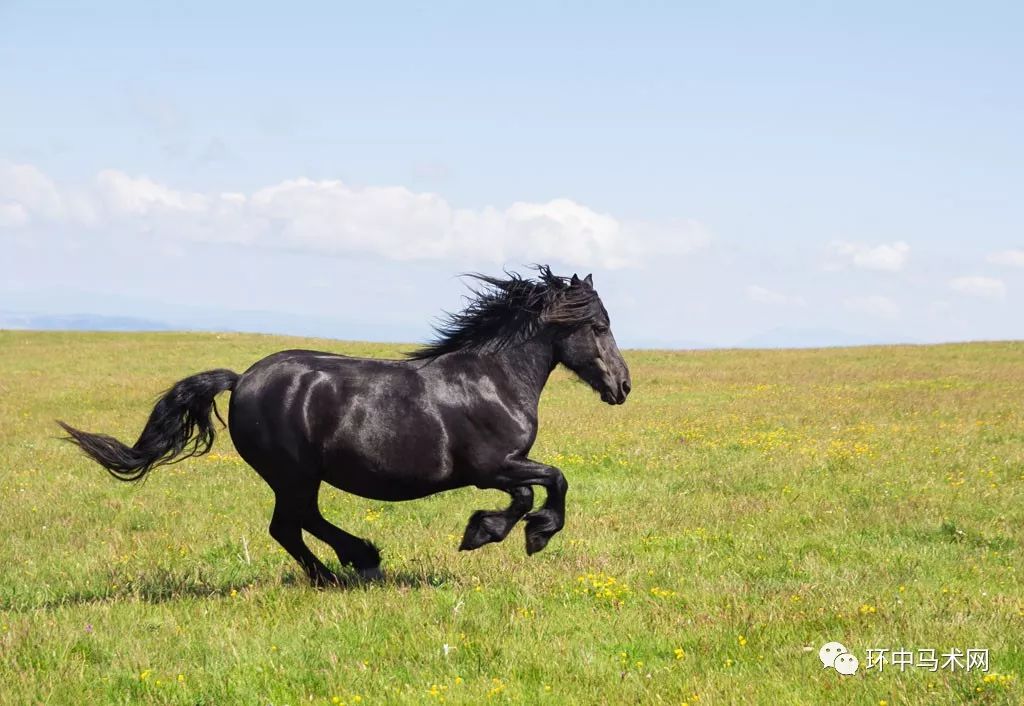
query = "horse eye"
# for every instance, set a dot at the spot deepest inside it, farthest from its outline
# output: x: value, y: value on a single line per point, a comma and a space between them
x: 598, y: 328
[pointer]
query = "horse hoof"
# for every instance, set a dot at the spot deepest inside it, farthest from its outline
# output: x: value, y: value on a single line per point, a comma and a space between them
x: 536, y: 542
x: 471, y: 542
x: 370, y: 575
x: 540, y: 528
x: 482, y: 529
x: 322, y: 581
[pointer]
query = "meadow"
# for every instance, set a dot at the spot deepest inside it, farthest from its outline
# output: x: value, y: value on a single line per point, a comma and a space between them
x: 742, y: 509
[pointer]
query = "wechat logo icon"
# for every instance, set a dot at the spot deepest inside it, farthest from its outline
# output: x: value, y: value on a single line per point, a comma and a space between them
x: 834, y: 655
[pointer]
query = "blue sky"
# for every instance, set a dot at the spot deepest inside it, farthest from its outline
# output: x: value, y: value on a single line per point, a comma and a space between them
x: 730, y: 172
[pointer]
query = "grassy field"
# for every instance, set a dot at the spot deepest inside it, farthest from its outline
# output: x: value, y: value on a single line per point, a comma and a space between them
x: 742, y: 509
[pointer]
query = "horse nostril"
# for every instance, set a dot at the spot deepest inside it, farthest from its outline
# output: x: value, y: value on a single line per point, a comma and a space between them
x: 626, y: 387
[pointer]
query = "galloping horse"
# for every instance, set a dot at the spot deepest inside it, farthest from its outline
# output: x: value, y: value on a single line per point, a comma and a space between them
x: 459, y: 411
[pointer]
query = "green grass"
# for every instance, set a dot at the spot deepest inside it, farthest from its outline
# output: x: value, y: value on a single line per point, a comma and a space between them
x: 743, y: 508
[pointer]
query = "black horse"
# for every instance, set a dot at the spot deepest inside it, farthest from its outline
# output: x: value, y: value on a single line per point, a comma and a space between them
x: 460, y: 411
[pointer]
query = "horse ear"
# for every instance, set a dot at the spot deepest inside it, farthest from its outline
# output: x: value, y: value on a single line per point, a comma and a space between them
x: 589, y: 280
x: 575, y: 282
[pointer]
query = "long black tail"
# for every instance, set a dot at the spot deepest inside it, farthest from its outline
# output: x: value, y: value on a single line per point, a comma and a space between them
x: 179, y: 427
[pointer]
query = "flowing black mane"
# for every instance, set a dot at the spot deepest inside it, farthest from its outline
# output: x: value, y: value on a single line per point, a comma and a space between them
x: 507, y: 311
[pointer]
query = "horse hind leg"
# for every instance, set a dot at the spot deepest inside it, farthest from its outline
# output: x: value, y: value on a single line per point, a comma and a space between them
x: 286, y: 528
x: 352, y: 551
x: 486, y: 526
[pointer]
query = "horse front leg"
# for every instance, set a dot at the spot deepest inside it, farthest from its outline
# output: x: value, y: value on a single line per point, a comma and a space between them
x: 550, y: 518
x: 486, y: 526
x: 542, y: 525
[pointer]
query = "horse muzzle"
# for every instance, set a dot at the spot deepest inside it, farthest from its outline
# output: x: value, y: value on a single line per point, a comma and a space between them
x: 616, y: 394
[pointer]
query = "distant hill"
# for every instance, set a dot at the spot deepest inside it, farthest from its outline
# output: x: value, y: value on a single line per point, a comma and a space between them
x: 322, y: 327
x: 808, y: 338
x: 78, y: 322
x: 228, y: 322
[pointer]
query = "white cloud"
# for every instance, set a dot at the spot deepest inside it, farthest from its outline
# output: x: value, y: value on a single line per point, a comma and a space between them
x: 977, y: 286
x: 874, y: 305
x: 887, y: 257
x: 1013, y: 258
x: 138, y: 196
x: 762, y: 295
x: 30, y: 194
x: 334, y: 217
x: 27, y: 188
x: 12, y: 215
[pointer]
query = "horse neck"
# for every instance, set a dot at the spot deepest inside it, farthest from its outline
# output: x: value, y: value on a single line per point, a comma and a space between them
x: 529, y: 364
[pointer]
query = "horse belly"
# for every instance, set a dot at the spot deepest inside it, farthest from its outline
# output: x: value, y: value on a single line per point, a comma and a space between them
x: 390, y: 486
x: 391, y: 458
